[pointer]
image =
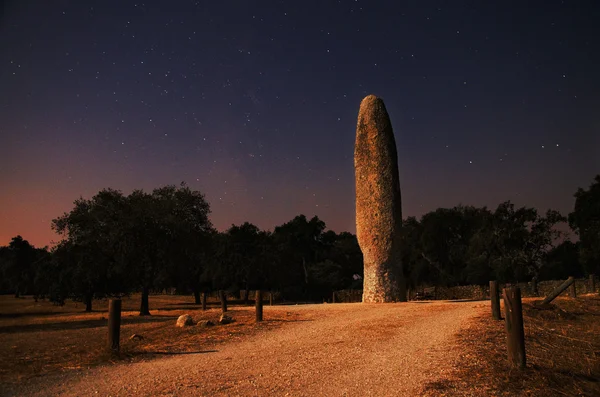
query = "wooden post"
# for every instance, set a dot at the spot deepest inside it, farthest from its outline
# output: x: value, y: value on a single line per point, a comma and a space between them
x: 592, y: 284
x: 495, y: 299
x: 204, y: 300
x: 270, y: 298
x: 114, y: 324
x: 333, y: 297
x: 408, y: 294
x: 513, y: 313
x: 557, y: 291
x: 259, y: 306
x: 223, y: 298
x: 572, y: 291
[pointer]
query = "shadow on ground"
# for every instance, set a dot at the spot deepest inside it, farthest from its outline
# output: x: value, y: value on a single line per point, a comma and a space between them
x: 71, y: 325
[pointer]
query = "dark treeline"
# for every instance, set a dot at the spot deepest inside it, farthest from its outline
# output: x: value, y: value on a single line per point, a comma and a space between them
x: 114, y: 245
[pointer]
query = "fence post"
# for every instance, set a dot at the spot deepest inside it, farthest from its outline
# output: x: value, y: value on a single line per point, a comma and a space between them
x: 114, y: 324
x: 223, y: 298
x: 259, y: 305
x: 572, y: 291
x: 333, y: 297
x: 558, y: 290
x: 592, y: 284
x: 513, y: 313
x: 495, y: 299
x: 271, y: 298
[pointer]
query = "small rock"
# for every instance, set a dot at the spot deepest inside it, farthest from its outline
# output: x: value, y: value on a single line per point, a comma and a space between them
x: 184, y: 321
x: 225, y: 319
x: 136, y: 337
x: 205, y: 323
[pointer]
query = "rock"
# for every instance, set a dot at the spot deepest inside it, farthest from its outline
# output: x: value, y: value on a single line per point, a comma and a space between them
x: 205, y: 323
x: 136, y: 337
x: 225, y: 319
x: 184, y: 321
x: 378, y: 203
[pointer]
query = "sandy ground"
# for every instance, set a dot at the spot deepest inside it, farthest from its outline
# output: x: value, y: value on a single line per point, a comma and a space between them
x: 323, y: 350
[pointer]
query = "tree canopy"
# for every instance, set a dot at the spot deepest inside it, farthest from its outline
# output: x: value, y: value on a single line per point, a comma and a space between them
x: 114, y: 244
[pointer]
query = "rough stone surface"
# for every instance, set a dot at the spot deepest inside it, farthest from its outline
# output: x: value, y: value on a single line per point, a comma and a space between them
x: 378, y: 203
x: 205, y: 323
x: 225, y: 319
x: 185, y: 320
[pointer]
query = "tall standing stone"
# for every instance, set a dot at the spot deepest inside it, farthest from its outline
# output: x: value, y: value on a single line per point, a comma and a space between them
x: 378, y: 203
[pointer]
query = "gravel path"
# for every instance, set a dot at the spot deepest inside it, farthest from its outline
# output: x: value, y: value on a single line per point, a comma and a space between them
x: 335, y: 350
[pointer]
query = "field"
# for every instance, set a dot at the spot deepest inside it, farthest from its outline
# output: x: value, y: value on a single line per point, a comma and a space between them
x: 428, y: 348
x: 39, y: 338
x: 562, y: 346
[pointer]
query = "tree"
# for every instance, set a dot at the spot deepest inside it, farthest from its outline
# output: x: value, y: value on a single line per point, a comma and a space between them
x: 157, y: 227
x: 512, y: 244
x: 585, y: 221
x: 445, y: 239
x: 562, y: 261
x: 416, y: 269
x: 19, y: 263
x: 114, y: 244
x: 88, y: 261
x: 299, y: 242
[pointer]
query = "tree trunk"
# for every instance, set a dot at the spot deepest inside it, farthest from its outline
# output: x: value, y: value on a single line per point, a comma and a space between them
x: 144, y: 307
x: 197, y: 296
x: 88, y: 302
x: 17, y: 293
x: 534, y: 286
x: 204, y: 295
x: 223, y: 298
x: 246, y: 296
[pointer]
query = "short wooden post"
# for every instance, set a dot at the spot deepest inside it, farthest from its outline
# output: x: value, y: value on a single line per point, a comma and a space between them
x: 534, y: 287
x: 259, y: 306
x: 557, y: 291
x: 333, y: 297
x: 513, y: 313
x: 270, y: 298
x: 409, y: 294
x: 495, y: 299
x: 114, y: 324
x: 223, y: 298
x: 204, y: 300
x: 592, y: 284
x: 572, y: 291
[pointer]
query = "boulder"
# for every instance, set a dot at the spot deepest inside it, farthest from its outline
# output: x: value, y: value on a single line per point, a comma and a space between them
x: 225, y: 319
x: 205, y: 323
x: 184, y: 321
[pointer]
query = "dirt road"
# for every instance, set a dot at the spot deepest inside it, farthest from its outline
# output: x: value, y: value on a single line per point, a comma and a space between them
x: 328, y: 350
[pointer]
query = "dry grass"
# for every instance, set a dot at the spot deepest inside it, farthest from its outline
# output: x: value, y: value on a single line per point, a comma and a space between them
x: 562, y: 345
x: 40, y: 338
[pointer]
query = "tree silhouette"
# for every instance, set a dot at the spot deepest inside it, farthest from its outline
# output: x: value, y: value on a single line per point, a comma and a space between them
x: 585, y: 221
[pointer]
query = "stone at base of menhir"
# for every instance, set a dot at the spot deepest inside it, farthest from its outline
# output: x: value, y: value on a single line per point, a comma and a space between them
x: 383, y: 287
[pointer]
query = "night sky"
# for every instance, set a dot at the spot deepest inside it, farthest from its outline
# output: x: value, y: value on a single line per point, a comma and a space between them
x: 254, y: 103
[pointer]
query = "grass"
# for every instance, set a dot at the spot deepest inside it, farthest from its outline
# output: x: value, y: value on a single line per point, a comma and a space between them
x: 39, y: 338
x: 562, y: 345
